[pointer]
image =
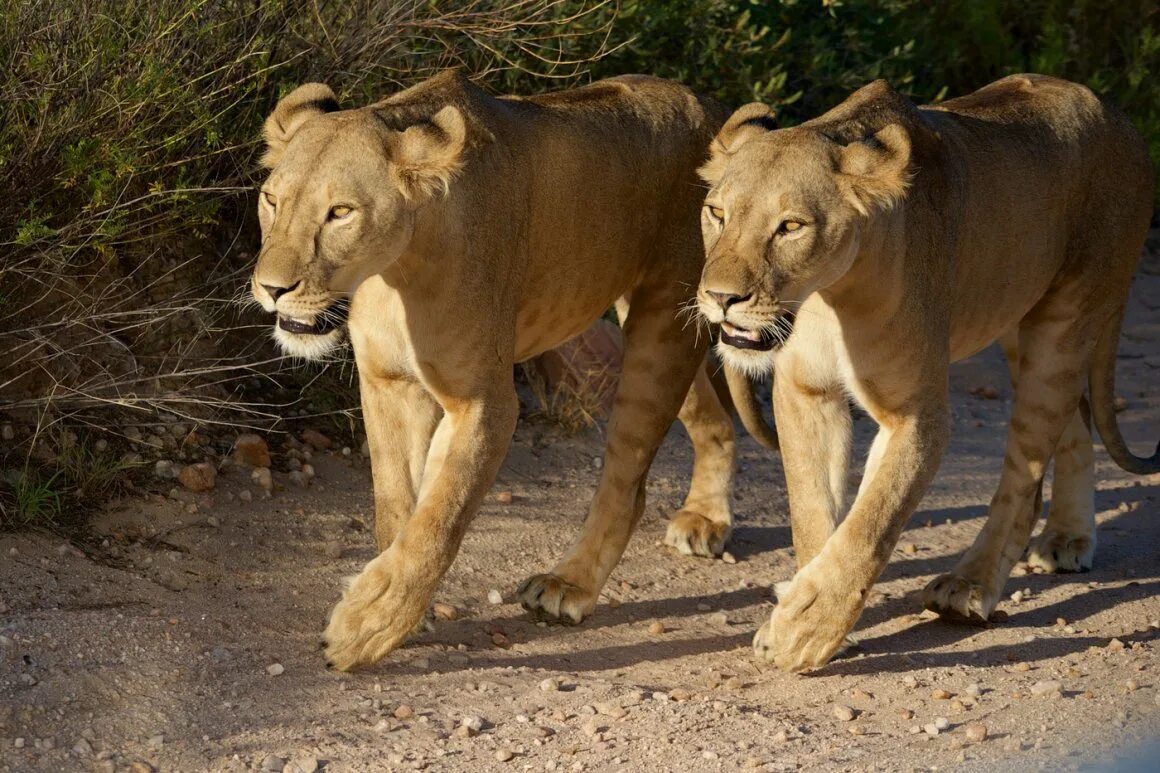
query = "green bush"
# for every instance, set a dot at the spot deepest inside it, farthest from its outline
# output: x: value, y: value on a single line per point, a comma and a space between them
x: 129, y: 141
x: 804, y: 56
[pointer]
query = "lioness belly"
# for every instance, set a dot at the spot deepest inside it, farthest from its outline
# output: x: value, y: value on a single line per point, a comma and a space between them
x: 552, y: 316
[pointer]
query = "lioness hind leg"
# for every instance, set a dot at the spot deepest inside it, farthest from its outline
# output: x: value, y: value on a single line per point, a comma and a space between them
x: 660, y: 362
x: 1068, y: 542
x: 703, y: 524
x: 1054, y: 352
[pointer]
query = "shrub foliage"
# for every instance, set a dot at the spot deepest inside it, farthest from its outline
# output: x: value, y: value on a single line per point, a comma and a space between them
x: 128, y: 141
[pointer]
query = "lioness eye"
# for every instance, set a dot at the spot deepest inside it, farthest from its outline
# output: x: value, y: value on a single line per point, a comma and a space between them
x: 269, y: 197
x: 716, y: 212
x: 789, y: 226
x: 338, y: 213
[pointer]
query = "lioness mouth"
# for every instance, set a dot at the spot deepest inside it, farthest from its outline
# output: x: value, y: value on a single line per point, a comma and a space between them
x: 325, y: 321
x: 758, y: 340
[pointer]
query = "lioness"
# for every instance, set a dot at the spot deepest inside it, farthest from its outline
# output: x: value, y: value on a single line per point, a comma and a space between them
x: 861, y: 253
x: 472, y: 232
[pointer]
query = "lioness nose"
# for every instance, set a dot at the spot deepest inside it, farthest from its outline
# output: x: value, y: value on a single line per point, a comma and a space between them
x: 725, y: 300
x: 277, y: 292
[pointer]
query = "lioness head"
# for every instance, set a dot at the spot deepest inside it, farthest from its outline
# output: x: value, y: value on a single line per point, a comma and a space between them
x: 783, y: 219
x: 340, y: 204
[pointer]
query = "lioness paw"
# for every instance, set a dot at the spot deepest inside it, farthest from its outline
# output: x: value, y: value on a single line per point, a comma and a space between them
x: 373, y: 617
x: 1054, y: 551
x: 810, y: 625
x: 556, y: 597
x: 958, y: 598
x: 692, y: 534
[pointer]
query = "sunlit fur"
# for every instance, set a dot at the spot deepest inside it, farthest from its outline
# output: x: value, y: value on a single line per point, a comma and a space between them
x: 483, y: 231
x: 308, y: 347
x: 1016, y: 213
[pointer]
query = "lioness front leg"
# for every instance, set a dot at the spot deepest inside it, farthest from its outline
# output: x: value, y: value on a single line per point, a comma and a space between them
x: 383, y: 603
x: 660, y: 361
x: 820, y: 606
x: 400, y: 417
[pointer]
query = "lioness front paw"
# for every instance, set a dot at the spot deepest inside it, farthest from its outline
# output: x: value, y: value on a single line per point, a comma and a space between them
x: 692, y: 534
x: 1054, y: 551
x: 375, y: 616
x: 810, y: 624
x: 958, y: 598
x: 555, y: 596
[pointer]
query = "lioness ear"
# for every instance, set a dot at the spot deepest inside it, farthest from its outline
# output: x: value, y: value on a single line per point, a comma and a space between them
x: 747, y: 122
x: 428, y: 155
x: 293, y: 110
x: 876, y: 169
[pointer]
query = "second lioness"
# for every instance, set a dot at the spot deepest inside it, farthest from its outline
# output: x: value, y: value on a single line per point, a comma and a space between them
x: 864, y: 251
x: 475, y: 232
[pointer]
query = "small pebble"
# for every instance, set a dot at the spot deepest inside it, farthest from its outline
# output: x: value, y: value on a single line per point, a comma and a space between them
x: 656, y: 628
x: 728, y: 557
x: 941, y: 695
x: 1115, y: 645
x: 930, y: 729
x: 1131, y: 685
x: 942, y: 723
x: 1017, y: 596
x: 611, y: 710
x: 503, y: 755
x: 404, y: 712
x: 333, y: 549
x: 275, y: 669
x: 1051, y: 687
x: 551, y: 684
x: 973, y: 690
x: 494, y: 597
x: 976, y: 732
x: 843, y: 712
x: 504, y: 498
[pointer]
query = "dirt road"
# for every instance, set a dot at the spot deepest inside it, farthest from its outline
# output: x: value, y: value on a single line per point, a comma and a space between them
x: 188, y: 640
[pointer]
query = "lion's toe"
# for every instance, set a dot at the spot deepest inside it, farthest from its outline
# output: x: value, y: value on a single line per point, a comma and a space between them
x: 958, y: 598
x: 1054, y: 551
x: 555, y: 597
x: 692, y: 534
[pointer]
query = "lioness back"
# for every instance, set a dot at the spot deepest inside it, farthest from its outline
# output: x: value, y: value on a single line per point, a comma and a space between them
x: 1033, y: 157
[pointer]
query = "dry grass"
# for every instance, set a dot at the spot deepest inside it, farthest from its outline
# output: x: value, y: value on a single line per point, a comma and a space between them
x: 130, y: 132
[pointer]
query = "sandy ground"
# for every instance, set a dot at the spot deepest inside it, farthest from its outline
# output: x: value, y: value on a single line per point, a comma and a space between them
x: 154, y: 646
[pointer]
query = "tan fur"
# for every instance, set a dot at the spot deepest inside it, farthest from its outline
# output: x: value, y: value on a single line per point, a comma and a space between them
x: 482, y: 232
x: 1016, y: 212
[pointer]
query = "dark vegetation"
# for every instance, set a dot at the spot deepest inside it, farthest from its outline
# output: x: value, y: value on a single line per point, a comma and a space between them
x: 128, y: 149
